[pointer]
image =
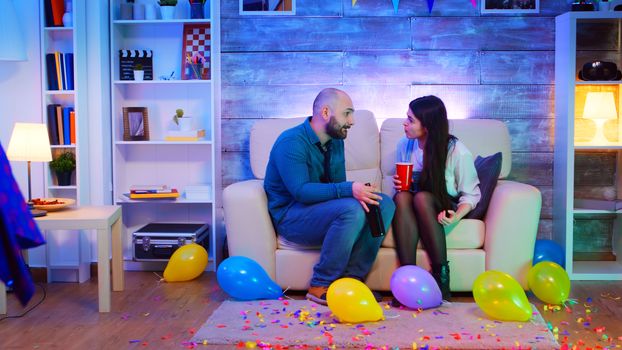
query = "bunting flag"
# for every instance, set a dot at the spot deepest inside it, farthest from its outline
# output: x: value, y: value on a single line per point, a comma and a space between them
x: 354, y: 2
x: 474, y: 3
x: 431, y: 4
x: 396, y: 3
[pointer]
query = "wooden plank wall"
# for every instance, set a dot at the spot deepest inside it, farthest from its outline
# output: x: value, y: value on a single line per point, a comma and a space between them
x: 482, y: 66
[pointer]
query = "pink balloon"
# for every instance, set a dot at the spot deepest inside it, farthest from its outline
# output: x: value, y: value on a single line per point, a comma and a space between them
x: 415, y: 288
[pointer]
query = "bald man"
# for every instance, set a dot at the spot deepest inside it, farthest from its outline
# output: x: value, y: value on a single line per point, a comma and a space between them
x: 310, y: 201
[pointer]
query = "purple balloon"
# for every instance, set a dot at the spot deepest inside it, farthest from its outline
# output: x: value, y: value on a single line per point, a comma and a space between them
x: 415, y: 288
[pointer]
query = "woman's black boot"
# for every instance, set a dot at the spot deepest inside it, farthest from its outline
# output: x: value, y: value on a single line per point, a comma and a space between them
x: 440, y: 272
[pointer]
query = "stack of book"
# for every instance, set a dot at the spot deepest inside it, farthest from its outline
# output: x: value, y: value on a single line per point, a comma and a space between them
x: 61, y: 124
x: 152, y: 192
x: 59, y: 68
x: 182, y: 135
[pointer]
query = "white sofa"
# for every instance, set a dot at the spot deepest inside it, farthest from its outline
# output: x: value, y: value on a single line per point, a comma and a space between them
x: 503, y: 241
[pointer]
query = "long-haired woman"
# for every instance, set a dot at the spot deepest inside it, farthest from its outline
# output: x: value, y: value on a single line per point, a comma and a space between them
x: 445, y: 186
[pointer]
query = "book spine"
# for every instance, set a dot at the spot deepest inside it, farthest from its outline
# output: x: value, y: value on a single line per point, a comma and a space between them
x: 72, y: 126
x: 52, y: 127
x: 66, y: 126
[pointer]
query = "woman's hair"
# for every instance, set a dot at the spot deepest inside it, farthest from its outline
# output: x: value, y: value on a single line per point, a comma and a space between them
x: 431, y: 112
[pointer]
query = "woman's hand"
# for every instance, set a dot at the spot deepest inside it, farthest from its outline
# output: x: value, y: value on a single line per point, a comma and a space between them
x: 397, y: 184
x: 447, y: 217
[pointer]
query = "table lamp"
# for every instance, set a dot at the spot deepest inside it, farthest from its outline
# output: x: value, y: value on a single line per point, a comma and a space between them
x: 30, y: 142
x: 600, y: 107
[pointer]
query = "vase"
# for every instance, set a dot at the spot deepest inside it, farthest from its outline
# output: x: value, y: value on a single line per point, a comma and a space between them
x: 68, y: 17
x: 168, y: 12
x: 185, y: 123
x: 139, y: 75
x: 150, y: 12
x: 139, y: 12
x: 64, y: 178
x: 127, y: 11
x: 196, y: 10
x: 194, y: 70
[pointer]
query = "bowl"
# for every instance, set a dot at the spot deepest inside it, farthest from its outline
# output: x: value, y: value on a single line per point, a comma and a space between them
x: 52, y: 204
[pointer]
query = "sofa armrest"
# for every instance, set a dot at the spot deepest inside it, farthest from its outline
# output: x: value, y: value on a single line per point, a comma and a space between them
x: 511, y: 228
x: 250, y: 232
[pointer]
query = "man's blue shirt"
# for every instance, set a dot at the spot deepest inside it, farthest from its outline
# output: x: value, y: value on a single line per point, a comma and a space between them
x: 295, y: 167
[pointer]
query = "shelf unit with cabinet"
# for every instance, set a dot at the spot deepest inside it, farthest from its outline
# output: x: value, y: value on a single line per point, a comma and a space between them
x: 587, y: 211
x: 64, y: 84
x: 155, y: 161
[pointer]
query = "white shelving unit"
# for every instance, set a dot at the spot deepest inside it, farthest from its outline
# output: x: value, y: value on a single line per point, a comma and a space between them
x: 68, y: 258
x: 573, y: 48
x: 156, y: 161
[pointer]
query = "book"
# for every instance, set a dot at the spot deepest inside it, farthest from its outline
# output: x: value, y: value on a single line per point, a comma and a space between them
x: 59, y: 124
x: 149, y: 188
x: 63, y: 75
x: 72, y: 126
x: 52, y: 127
x: 179, y: 135
x: 50, y: 67
x: 69, y: 70
x: 59, y: 79
x: 66, y: 126
x: 173, y: 194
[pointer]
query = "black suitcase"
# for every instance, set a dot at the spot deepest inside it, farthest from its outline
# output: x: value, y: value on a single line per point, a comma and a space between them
x: 158, y: 241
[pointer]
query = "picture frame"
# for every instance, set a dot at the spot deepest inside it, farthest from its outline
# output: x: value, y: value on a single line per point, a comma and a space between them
x: 135, y: 124
x: 196, y: 51
x: 268, y: 7
x: 510, y: 6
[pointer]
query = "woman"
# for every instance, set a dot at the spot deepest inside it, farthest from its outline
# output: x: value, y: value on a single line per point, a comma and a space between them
x: 445, y: 186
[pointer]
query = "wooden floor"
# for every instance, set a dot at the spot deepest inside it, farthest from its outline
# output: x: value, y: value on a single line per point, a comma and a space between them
x: 156, y: 315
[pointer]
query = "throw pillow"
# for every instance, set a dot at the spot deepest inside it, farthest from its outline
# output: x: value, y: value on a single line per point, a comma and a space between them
x: 488, y: 170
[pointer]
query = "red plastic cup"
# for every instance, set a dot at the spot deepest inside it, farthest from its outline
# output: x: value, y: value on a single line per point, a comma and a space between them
x: 405, y: 173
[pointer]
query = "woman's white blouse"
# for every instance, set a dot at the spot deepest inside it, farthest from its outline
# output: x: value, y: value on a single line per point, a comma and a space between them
x: 460, y: 174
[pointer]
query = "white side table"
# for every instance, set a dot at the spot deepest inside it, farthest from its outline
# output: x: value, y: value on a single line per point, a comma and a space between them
x: 107, y: 221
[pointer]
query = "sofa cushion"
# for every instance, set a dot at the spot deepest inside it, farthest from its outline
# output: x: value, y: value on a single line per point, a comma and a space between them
x: 481, y: 136
x: 488, y: 169
x: 362, y: 149
x: 467, y: 234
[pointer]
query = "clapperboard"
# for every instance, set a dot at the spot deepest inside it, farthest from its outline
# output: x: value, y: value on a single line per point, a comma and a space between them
x: 129, y: 58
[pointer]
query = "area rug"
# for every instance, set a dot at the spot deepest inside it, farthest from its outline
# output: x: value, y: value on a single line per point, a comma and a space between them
x: 302, y: 324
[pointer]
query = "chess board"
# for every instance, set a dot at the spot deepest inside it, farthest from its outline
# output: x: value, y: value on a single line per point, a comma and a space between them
x: 197, y: 40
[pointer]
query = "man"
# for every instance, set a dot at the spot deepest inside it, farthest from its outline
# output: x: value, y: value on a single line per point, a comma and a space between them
x: 310, y: 201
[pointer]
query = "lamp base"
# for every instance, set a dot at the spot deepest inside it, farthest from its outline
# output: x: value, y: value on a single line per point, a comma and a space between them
x: 38, y: 212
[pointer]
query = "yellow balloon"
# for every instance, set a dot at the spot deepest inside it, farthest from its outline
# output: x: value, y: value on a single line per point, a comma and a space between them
x: 549, y: 282
x: 186, y: 263
x: 352, y: 301
x: 500, y: 296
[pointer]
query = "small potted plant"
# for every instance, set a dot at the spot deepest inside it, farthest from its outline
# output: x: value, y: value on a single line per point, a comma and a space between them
x: 63, y: 166
x: 139, y: 73
x: 167, y: 7
x: 184, y: 123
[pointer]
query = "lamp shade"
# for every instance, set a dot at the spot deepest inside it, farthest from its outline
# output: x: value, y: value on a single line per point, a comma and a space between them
x: 12, y: 43
x: 30, y: 142
x: 600, y: 105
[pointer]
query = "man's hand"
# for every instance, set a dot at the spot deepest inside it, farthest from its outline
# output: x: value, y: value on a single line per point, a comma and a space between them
x: 365, y: 194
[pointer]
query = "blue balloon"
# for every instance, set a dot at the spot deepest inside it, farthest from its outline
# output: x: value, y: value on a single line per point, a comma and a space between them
x: 547, y: 250
x: 244, y: 279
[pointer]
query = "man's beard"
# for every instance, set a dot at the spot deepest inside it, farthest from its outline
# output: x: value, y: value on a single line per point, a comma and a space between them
x: 336, y: 130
